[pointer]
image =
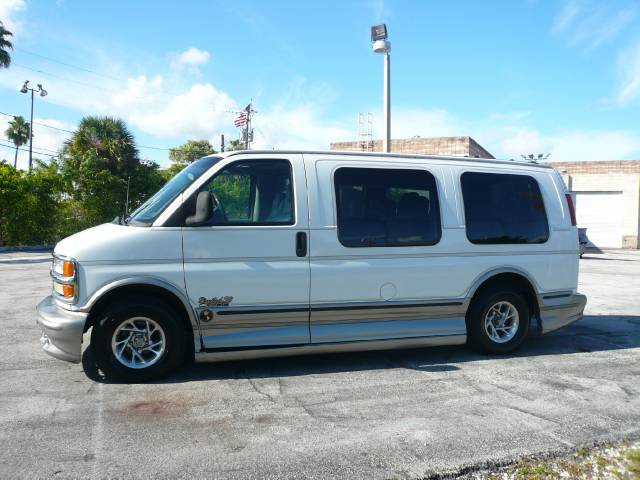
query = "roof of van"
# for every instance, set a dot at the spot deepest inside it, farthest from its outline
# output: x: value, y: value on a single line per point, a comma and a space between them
x: 390, y: 155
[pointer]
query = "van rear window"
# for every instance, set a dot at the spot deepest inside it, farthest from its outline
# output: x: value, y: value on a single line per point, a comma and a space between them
x: 386, y: 207
x: 503, y: 208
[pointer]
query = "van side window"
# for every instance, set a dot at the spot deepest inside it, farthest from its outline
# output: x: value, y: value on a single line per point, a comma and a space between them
x: 503, y: 208
x: 386, y: 207
x: 256, y: 192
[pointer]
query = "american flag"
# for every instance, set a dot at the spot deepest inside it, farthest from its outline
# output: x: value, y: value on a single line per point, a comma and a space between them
x: 241, y: 118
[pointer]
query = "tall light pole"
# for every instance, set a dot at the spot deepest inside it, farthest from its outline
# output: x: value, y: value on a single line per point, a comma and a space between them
x: 43, y: 93
x: 382, y: 45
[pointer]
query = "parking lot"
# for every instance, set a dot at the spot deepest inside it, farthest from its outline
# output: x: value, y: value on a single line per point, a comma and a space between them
x: 401, y: 414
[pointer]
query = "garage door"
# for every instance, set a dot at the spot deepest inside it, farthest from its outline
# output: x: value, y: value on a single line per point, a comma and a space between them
x: 601, y: 214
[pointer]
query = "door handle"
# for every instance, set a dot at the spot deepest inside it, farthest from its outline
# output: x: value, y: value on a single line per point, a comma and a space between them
x: 301, y: 244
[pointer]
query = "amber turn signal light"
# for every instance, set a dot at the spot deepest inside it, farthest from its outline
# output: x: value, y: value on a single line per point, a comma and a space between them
x: 68, y: 269
x: 68, y: 291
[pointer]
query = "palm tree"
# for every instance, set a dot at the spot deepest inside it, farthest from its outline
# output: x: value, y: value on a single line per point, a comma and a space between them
x: 109, y: 141
x: 18, y: 133
x: 5, y: 45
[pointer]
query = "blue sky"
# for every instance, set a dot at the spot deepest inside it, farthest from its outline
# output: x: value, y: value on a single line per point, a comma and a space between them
x: 559, y: 77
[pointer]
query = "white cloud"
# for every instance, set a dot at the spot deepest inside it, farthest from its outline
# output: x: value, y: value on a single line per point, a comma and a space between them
x: 202, y: 111
x: 9, y: 14
x: 629, y: 75
x: 567, y: 15
x: 298, y: 127
x: 595, y: 145
x: 569, y: 145
x: 46, y: 141
x: 409, y: 122
x: 521, y: 142
x: 588, y: 25
x: 192, y: 57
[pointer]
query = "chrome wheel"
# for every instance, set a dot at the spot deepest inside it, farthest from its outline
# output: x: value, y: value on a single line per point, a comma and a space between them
x: 138, y: 342
x: 501, y: 322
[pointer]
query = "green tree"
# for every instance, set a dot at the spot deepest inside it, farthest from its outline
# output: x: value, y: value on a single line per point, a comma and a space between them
x: 108, y: 141
x: 29, y: 204
x: 235, y: 145
x: 99, y: 161
x: 5, y: 46
x: 191, y: 151
x: 18, y: 133
x: 171, y: 171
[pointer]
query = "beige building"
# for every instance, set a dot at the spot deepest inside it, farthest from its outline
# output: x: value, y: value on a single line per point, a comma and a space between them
x: 462, y: 146
x: 607, y: 200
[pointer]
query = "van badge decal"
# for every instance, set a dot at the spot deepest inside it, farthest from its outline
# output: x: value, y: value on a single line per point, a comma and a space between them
x: 215, y: 301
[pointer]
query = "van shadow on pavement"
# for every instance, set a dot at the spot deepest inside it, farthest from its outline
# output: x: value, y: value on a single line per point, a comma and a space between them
x: 594, y: 333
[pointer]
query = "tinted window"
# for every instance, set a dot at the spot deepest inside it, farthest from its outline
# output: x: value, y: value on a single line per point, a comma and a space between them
x: 386, y: 208
x: 503, y: 208
x: 252, y: 193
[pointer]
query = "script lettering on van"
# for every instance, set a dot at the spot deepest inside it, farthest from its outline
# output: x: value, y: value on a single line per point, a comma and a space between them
x: 215, y: 301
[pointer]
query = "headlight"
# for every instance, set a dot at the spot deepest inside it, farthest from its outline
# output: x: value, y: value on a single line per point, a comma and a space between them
x: 64, y: 274
x: 64, y: 267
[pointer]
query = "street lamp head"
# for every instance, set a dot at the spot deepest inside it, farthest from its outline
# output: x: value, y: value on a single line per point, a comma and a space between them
x: 381, y: 46
x: 379, y: 37
x: 25, y: 87
x: 379, y: 32
x: 43, y: 92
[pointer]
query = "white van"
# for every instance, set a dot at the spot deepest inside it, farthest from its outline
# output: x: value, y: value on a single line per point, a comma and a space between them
x: 261, y: 253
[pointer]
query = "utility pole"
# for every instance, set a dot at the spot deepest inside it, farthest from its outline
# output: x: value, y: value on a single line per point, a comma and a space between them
x: 386, y: 141
x: 126, y: 202
x: 43, y: 93
x: 380, y: 43
x: 222, y: 142
x: 243, y: 121
x: 249, y: 132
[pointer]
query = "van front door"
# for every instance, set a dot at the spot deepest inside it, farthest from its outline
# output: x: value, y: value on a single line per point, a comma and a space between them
x: 247, y: 267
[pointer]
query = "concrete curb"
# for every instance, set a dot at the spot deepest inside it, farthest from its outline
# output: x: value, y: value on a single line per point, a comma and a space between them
x: 27, y: 248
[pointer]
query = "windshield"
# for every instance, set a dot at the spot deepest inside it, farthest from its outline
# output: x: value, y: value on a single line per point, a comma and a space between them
x: 152, y: 208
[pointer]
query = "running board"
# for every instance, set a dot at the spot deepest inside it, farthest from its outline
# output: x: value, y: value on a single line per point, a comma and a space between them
x: 245, y: 353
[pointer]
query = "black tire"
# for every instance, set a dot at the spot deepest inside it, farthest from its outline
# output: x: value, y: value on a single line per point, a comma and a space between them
x: 477, y: 335
x: 122, y: 311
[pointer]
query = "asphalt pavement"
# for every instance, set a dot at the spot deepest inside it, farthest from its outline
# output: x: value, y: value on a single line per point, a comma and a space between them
x: 375, y: 415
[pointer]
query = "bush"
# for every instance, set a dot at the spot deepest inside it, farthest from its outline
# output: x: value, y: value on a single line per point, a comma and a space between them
x: 29, y: 205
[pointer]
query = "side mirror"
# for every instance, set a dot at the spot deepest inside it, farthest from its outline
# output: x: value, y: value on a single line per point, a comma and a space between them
x: 204, y: 210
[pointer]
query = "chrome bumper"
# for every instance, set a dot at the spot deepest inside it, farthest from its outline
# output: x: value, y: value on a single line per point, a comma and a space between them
x: 559, y: 311
x: 61, y: 330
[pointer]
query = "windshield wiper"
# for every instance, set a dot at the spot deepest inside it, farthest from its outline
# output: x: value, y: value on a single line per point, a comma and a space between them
x: 121, y: 220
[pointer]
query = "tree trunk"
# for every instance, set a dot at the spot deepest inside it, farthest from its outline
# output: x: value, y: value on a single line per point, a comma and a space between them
x: 15, y: 160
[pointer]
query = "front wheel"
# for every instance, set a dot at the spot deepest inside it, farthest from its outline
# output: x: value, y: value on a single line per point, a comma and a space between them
x: 498, y: 322
x: 137, y: 340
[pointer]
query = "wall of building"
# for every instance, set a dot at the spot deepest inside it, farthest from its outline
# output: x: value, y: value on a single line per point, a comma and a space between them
x: 454, y: 146
x: 614, y: 176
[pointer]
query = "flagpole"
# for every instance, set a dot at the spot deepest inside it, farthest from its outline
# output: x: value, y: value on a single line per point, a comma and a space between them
x: 248, y: 143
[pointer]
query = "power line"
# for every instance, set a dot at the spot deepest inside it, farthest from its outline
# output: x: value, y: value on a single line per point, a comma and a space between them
x: 167, y: 93
x: 55, y: 75
x: 13, y: 147
x: 83, y: 69
x: 36, y: 148
x: 72, y: 132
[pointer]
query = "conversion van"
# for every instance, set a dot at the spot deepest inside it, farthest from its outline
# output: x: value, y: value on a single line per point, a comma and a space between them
x: 264, y: 253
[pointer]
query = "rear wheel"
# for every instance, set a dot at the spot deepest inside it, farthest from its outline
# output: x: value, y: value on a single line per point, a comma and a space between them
x: 137, y: 340
x: 498, y: 321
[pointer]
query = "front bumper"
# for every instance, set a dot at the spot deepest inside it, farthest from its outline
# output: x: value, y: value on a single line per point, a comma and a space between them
x: 559, y: 311
x: 61, y: 330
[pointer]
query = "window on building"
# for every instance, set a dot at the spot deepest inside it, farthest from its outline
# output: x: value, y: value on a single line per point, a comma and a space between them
x: 257, y: 192
x: 386, y: 207
x: 503, y: 208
